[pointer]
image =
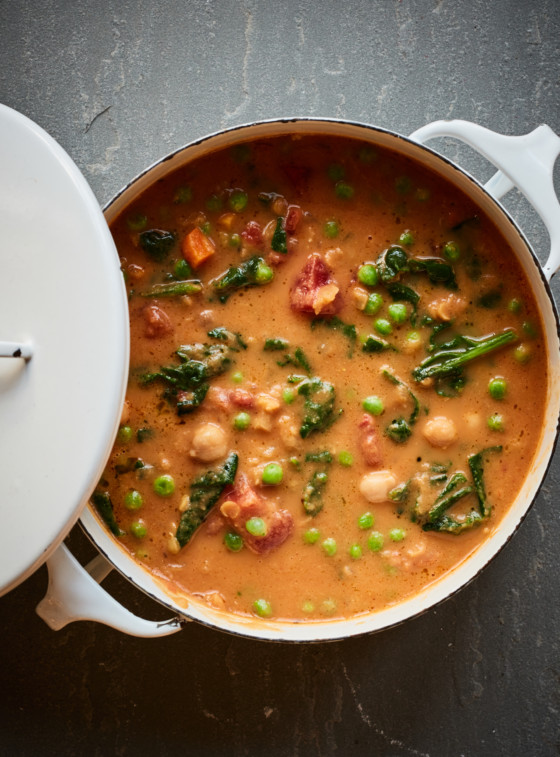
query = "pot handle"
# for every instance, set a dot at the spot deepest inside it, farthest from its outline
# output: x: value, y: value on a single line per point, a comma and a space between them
x: 74, y: 593
x: 525, y: 162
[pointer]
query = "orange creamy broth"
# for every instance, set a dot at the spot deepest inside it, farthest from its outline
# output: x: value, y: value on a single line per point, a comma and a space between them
x: 373, y: 197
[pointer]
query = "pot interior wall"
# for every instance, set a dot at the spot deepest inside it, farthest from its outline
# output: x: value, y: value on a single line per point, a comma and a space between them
x: 448, y: 584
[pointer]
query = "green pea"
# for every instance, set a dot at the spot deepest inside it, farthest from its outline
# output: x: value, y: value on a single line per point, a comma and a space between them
x: 182, y: 270
x: 233, y: 541
x: 496, y: 422
x: 272, y: 474
x: 241, y: 153
x: 237, y: 377
x: 256, y: 527
x: 288, y: 395
x: 262, y: 608
x: 164, y: 485
x: 375, y: 541
x: 182, y: 194
x: 124, y: 435
x: 335, y: 171
x: 345, y: 458
x: 331, y: 229
x: 138, y: 529
x: 515, y: 306
x: 374, y: 303
x: 235, y: 240
x: 242, y: 421
x: 373, y: 405
x: 403, y: 185
x: 214, y: 203
x: 529, y: 329
x: 329, y: 546
x: 133, y: 500
x: 406, y: 238
x: 382, y: 326
x: 451, y: 251
x: 264, y: 273
x: 522, y: 353
x: 355, y: 551
x: 328, y: 607
x: 365, y: 521
x: 367, y: 274
x: 307, y: 607
x: 311, y: 536
x: 497, y: 388
x: 238, y: 200
x: 413, y: 337
x: 422, y: 194
x: 367, y: 155
x: 343, y: 190
x: 397, y: 534
x: 397, y: 312
x: 137, y: 222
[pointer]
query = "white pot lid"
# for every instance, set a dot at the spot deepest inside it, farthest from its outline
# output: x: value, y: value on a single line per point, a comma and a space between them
x: 62, y: 294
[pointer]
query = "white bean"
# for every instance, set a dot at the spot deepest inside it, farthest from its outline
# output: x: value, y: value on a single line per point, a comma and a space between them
x: 376, y: 485
x: 209, y: 442
x: 440, y: 431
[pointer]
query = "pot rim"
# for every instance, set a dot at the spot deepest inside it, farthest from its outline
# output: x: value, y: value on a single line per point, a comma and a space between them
x: 338, y: 629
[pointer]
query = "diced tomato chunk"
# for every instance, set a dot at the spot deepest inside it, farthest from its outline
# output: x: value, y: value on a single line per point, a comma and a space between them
x: 252, y: 234
x: 157, y: 322
x: 293, y: 217
x: 314, y: 290
x: 197, y: 247
x: 243, y: 503
x: 370, y: 441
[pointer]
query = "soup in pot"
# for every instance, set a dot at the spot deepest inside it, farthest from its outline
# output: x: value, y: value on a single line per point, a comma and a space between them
x: 337, y: 379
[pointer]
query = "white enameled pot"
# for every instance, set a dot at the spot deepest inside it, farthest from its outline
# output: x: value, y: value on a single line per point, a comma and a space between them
x: 525, y: 162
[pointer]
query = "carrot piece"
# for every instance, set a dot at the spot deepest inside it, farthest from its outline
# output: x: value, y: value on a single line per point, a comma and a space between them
x: 197, y: 247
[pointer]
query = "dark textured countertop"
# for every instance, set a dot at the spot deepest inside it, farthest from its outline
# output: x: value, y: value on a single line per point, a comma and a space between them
x: 120, y: 83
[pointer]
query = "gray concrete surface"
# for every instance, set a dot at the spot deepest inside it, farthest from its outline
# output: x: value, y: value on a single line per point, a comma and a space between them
x: 121, y: 82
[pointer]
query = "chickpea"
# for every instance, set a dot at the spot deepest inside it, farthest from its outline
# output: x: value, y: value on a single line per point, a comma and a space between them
x: 209, y: 442
x: 375, y: 486
x: 440, y: 431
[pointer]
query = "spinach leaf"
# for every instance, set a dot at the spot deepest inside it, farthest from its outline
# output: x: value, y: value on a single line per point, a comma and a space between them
x: 275, y: 345
x: 186, y: 384
x: 233, y: 339
x: 476, y: 464
x: 104, y: 506
x: 279, y: 241
x: 173, y: 289
x: 438, y: 271
x: 401, y: 293
x: 298, y: 359
x: 157, y: 243
x: 324, y: 456
x: 400, y: 429
x: 312, y: 498
x: 490, y: 299
x: 204, y: 493
x: 448, y: 358
x: 391, y: 263
x: 318, y: 406
x: 372, y: 344
x: 144, y: 433
x: 451, y: 525
x: 253, y: 272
